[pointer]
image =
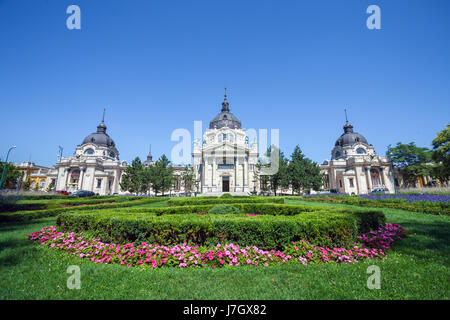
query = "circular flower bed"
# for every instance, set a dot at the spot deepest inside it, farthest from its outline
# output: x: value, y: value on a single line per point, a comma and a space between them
x: 373, y: 245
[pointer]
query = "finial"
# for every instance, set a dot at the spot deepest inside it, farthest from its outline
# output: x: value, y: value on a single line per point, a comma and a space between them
x: 225, y: 95
x: 345, y: 110
x: 150, y: 149
x: 103, y: 118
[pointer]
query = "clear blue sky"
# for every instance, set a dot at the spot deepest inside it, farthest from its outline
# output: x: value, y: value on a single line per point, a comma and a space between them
x: 160, y: 65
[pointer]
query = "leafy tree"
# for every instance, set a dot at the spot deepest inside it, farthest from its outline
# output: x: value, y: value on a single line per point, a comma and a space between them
x: 441, y: 155
x: 412, y: 161
x: 280, y: 177
x: 12, y: 173
x: 51, y: 186
x: 27, y: 184
x: 303, y: 173
x: 133, y: 178
x: 188, y: 178
x: 161, y: 175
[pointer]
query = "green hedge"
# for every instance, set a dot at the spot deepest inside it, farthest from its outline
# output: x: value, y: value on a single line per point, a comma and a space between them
x: 22, y: 205
x: 36, y: 214
x: 418, y: 206
x: 226, y: 200
x: 265, y: 231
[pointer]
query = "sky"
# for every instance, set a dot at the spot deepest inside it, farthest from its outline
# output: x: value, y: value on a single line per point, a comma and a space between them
x: 157, y: 66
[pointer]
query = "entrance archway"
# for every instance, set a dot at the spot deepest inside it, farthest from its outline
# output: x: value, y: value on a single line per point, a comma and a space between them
x: 225, y: 184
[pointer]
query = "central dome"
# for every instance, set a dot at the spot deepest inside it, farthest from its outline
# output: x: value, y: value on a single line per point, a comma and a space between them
x: 349, y: 138
x: 225, y: 118
x: 100, y: 138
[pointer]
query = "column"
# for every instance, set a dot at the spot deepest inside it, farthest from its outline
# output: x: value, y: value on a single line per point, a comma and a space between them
x: 66, y: 177
x: 381, y: 171
x: 80, y: 179
x: 245, y: 169
x: 236, y: 163
x: 213, y: 171
x: 369, y: 179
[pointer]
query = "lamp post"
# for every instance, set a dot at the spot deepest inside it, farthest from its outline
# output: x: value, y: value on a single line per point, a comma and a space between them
x: 4, y: 166
x: 59, y: 165
x: 392, y: 173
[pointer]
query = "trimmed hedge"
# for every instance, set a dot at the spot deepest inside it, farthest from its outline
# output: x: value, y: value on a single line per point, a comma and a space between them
x: 27, y: 205
x: 265, y: 231
x: 224, y: 209
x: 225, y: 200
x: 402, y: 204
x: 36, y: 214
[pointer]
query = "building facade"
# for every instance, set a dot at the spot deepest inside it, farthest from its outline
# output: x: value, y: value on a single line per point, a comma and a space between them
x: 94, y: 166
x: 36, y: 175
x: 225, y: 162
x: 355, y: 168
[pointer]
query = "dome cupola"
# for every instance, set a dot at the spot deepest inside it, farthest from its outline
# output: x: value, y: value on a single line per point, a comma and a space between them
x: 225, y: 118
x: 100, y: 138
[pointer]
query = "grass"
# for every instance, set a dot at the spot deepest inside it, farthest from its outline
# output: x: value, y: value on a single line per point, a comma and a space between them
x: 416, y: 268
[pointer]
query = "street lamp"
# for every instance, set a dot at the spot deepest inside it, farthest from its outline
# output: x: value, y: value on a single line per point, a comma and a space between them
x: 392, y: 172
x: 4, y: 166
x: 60, y: 157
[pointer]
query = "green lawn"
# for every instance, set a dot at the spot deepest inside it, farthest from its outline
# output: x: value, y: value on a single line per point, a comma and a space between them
x: 416, y: 268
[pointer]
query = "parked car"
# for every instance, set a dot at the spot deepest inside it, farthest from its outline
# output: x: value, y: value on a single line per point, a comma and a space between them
x: 83, y: 193
x: 62, y: 192
x: 379, y: 190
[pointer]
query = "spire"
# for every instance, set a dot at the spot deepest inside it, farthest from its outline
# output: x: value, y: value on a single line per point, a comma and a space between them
x: 101, y: 128
x: 149, y: 156
x: 225, y: 103
x: 348, y: 128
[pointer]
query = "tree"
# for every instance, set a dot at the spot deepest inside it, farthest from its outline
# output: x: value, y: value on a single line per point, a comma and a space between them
x: 161, y: 175
x: 411, y: 160
x: 133, y: 178
x: 51, y: 186
x: 12, y: 173
x: 303, y: 173
x: 188, y: 178
x: 279, y: 178
x: 441, y: 155
x: 27, y: 184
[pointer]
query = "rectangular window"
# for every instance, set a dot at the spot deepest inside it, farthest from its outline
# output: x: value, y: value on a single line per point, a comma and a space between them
x: 351, y: 182
x: 99, y: 183
x: 340, y: 183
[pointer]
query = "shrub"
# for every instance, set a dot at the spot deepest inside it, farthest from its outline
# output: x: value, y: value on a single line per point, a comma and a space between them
x: 226, y: 195
x: 265, y: 231
x: 36, y: 214
x: 224, y: 209
x: 207, y: 200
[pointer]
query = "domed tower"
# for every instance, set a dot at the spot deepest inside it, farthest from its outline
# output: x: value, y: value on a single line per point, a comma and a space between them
x: 99, y: 143
x: 350, y: 143
x: 225, y: 118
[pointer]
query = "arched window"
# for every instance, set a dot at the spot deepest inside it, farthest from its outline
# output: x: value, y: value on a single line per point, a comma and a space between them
x: 360, y: 151
x: 337, y: 154
x: 89, y: 151
x: 112, y: 154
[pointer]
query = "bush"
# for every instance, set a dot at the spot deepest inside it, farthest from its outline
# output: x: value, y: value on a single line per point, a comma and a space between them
x: 226, y: 195
x: 226, y: 200
x: 36, y: 214
x: 265, y: 231
x: 224, y: 209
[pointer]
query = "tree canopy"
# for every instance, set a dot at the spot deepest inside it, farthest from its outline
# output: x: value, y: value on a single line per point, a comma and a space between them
x: 441, y: 154
x: 412, y: 161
